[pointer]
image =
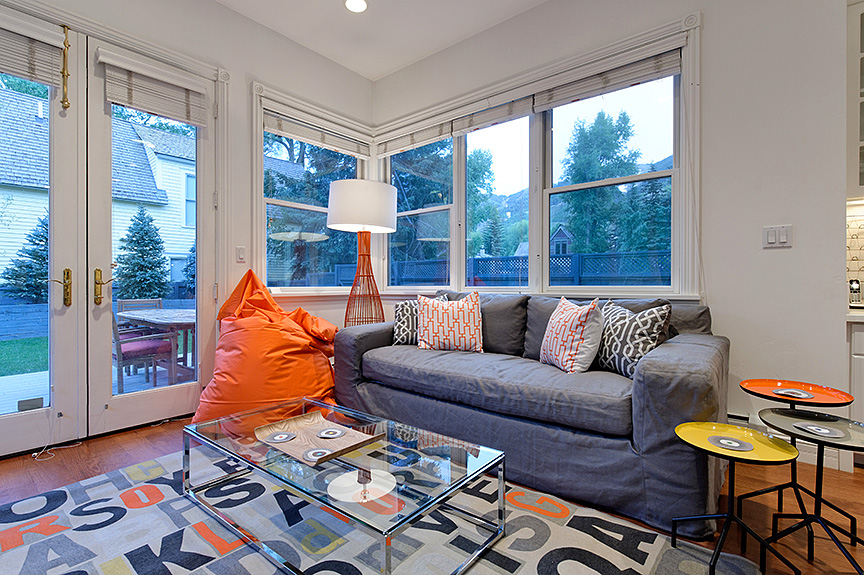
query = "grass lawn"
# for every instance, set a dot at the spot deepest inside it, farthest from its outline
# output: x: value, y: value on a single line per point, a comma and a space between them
x: 23, y: 355
x: 30, y: 354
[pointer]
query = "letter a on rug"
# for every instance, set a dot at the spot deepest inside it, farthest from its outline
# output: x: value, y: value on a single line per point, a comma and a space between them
x: 136, y: 521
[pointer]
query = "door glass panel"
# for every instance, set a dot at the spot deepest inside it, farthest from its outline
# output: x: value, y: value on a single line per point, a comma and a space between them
x: 153, y: 231
x: 24, y: 288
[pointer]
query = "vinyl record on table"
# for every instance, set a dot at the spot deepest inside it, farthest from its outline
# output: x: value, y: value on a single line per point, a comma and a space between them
x: 331, y: 433
x: 314, y: 455
x: 820, y: 430
x: 793, y: 393
x: 280, y: 437
x: 348, y: 487
x: 730, y: 443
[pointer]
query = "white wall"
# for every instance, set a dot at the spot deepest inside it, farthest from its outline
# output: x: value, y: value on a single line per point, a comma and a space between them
x: 773, y: 133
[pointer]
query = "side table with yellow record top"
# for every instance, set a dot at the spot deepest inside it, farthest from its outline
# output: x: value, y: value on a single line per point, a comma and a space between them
x: 734, y: 444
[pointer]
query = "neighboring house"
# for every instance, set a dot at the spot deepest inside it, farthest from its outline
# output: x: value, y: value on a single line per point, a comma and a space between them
x: 560, y: 243
x: 150, y: 167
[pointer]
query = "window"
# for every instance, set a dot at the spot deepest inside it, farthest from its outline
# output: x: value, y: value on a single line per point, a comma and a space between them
x: 419, y: 250
x: 611, y: 163
x: 496, y: 205
x: 190, y: 200
x: 301, y: 250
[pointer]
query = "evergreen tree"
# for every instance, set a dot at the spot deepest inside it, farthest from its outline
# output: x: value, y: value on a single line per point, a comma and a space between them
x: 189, y: 271
x: 142, y: 268
x: 493, y: 234
x: 479, y: 202
x: 26, y: 277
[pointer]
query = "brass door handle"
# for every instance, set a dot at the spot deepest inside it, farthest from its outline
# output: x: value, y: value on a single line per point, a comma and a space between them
x: 67, y: 286
x: 97, y: 285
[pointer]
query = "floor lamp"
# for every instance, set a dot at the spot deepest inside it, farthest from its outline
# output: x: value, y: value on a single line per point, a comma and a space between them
x: 365, y: 207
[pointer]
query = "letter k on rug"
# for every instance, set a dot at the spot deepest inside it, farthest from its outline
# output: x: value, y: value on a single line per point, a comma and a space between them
x: 135, y: 521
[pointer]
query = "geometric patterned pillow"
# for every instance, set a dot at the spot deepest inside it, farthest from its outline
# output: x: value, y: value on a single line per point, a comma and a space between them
x: 455, y: 325
x: 572, y: 336
x: 628, y: 336
x: 405, y: 326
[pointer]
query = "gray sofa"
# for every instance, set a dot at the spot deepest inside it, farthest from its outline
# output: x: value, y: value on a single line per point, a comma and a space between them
x: 595, y: 437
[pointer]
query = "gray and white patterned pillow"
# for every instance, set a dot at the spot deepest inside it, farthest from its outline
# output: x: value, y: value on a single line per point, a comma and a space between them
x: 628, y: 336
x: 405, y: 327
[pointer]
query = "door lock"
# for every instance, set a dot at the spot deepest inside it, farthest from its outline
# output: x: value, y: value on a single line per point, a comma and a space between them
x: 97, y: 285
x: 67, y: 286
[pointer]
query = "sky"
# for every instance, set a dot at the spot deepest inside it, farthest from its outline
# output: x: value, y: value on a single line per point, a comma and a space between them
x: 650, y: 107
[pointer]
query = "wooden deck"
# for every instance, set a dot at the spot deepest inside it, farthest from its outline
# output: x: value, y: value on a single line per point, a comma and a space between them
x: 14, y: 388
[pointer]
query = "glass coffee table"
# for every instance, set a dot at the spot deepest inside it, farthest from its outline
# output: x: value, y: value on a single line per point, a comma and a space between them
x: 382, y: 488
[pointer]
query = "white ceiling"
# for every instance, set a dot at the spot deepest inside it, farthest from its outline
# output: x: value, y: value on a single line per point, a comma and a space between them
x: 388, y: 36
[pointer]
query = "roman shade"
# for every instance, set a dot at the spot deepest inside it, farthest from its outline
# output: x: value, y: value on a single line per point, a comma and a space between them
x: 155, y: 88
x: 282, y: 126
x: 30, y: 52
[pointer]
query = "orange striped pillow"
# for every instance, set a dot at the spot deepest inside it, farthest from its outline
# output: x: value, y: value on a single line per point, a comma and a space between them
x: 454, y: 325
x: 572, y: 336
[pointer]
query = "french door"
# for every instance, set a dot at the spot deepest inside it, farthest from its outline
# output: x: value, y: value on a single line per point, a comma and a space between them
x: 77, y: 185
x: 148, y: 144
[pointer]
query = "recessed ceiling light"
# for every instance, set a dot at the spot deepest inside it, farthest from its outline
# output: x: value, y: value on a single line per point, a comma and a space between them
x: 356, y: 5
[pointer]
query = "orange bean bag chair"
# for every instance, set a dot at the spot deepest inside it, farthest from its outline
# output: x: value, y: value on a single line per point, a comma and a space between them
x: 266, y: 355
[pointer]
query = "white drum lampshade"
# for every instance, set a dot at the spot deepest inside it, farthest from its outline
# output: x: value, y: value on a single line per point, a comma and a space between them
x: 362, y: 206
x: 365, y: 207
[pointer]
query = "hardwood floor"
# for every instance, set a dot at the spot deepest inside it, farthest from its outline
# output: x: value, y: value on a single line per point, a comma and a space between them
x: 21, y: 476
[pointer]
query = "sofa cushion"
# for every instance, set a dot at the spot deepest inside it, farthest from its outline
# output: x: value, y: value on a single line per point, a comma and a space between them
x: 572, y: 336
x: 690, y: 318
x: 628, y: 336
x: 504, y: 317
x: 593, y: 401
x: 540, y: 309
x: 405, y: 324
x: 447, y: 325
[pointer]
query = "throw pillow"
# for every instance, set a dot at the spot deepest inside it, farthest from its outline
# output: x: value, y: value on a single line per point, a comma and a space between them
x: 405, y: 324
x: 628, y: 336
x: 572, y: 336
x: 455, y: 325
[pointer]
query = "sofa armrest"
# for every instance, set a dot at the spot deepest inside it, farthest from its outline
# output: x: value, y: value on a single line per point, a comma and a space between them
x: 349, y: 346
x: 683, y: 379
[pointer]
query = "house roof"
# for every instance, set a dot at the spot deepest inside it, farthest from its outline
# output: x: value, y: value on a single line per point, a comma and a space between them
x: 24, y: 145
x: 24, y: 160
x: 284, y: 167
x: 131, y: 175
x: 167, y: 143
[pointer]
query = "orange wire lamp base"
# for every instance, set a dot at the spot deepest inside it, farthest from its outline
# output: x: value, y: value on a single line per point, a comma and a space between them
x: 364, y: 302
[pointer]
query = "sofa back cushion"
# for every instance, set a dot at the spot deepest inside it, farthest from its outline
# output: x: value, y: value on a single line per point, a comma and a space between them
x: 504, y: 318
x: 540, y: 309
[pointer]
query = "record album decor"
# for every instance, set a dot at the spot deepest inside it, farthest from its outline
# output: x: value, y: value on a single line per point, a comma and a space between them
x: 312, y: 439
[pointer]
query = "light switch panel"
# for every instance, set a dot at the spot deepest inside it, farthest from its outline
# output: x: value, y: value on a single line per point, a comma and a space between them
x: 777, y: 236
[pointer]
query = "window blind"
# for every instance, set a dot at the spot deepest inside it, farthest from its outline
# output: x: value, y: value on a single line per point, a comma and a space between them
x: 415, y: 139
x: 653, y: 68
x: 154, y: 88
x: 289, y: 128
x: 492, y: 116
x: 28, y: 58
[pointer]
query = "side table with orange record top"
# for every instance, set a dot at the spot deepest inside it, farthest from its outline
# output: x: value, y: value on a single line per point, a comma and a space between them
x: 734, y: 444
x: 796, y: 393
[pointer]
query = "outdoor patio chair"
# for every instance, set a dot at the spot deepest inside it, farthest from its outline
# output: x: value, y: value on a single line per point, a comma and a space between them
x: 147, y: 350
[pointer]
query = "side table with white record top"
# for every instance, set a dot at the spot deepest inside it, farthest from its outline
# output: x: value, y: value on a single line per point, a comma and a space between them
x: 823, y: 430
x: 796, y: 394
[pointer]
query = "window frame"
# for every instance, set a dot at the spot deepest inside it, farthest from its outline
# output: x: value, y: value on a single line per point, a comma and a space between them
x: 268, y: 101
x: 686, y: 272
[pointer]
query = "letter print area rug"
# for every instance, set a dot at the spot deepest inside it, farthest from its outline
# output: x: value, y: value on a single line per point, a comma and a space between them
x: 135, y: 521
